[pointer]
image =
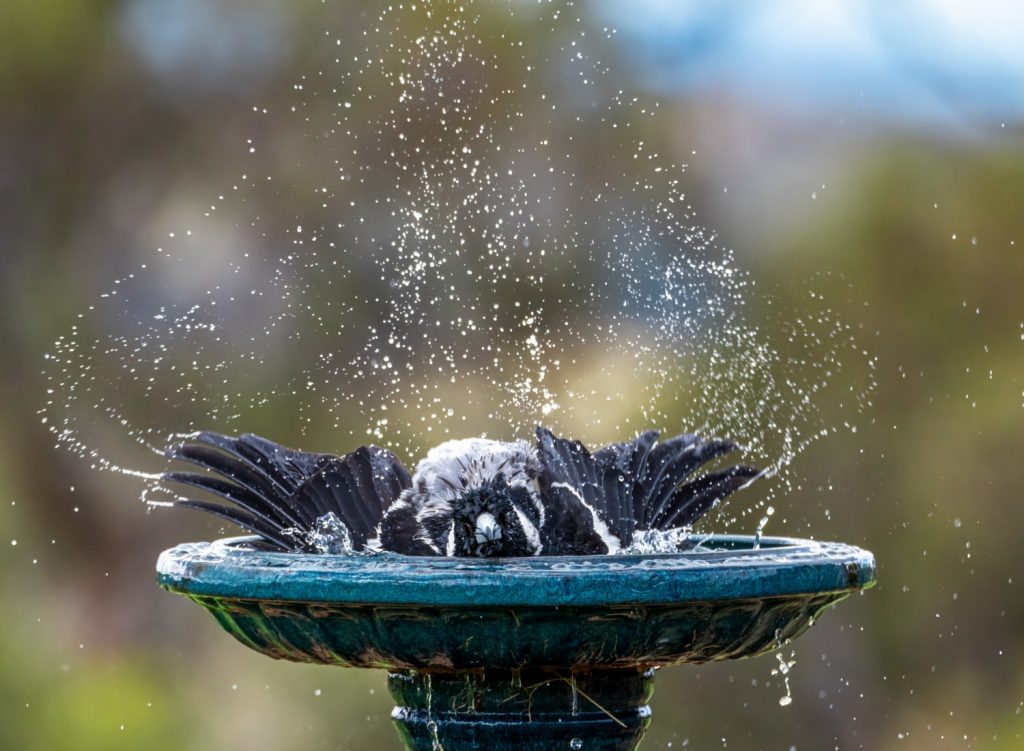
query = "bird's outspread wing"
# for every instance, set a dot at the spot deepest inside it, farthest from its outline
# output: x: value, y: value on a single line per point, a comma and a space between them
x: 583, y: 499
x: 664, y: 496
x: 633, y: 486
x: 288, y: 496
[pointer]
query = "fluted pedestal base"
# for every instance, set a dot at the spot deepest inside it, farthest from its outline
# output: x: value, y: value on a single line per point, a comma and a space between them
x: 532, y: 710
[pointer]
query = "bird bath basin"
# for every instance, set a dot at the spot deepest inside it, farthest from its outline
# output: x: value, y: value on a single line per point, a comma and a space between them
x: 521, y: 653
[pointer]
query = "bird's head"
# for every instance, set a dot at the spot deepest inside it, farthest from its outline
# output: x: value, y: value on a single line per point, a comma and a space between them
x: 496, y: 519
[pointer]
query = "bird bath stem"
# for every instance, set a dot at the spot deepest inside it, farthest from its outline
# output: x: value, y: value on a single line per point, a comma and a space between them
x: 530, y: 710
x: 525, y: 653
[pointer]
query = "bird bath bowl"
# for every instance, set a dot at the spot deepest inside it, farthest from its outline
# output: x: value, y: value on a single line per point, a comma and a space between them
x: 519, y: 653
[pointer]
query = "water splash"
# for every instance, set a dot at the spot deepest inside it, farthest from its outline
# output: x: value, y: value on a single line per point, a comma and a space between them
x: 657, y: 541
x: 759, y: 532
x: 455, y: 261
x: 783, y: 669
x: 328, y: 535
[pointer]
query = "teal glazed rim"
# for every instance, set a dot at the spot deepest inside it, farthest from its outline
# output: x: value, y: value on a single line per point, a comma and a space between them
x: 719, y: 567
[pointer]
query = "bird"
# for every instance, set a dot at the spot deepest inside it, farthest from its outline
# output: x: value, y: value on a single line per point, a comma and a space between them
x: 473, y: 497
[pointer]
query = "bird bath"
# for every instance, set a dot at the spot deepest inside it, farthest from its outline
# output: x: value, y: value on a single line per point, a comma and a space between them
x: 522, y: 653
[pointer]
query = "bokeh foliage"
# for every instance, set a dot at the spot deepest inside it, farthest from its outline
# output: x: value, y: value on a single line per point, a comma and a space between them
x: 916, y: 244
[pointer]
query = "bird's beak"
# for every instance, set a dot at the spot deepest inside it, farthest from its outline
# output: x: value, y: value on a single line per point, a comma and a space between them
x: 487, y: 529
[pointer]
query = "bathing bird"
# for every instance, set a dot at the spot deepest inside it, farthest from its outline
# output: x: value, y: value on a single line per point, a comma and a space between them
x: 473, y: 497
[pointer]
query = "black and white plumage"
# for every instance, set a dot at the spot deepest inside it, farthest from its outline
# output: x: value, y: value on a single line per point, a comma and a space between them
x: 472, y: 497
x: 469, y: 497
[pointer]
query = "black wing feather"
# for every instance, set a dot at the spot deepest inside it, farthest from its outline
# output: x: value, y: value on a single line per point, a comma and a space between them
x: 344, y: 486
x: 230, y: 458
x: 289, y: 466
x: 229, y: 491
x: 630, y: 459
x: 601, y: 485
x: 670, y: 469
x: 696, y: 498
x: 246, y: 521
x: 225, y: 464
x: 568, y: 527
x: 372, y: 507
x: 635, y: 485
x: 280, y: 493
x: 234, y: 448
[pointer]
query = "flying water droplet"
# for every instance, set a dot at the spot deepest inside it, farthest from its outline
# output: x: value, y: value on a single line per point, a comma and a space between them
x: 476, y: 273
x: 759, y: 532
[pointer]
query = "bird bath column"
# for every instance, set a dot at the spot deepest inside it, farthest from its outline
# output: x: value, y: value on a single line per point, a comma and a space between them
x: 522, y: 653
x: 530, y: 710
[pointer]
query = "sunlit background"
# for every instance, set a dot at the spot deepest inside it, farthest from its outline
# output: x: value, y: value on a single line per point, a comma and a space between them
x: 863, y: 162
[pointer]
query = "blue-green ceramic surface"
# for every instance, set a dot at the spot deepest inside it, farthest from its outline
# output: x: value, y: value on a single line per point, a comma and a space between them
x: 519, y: 653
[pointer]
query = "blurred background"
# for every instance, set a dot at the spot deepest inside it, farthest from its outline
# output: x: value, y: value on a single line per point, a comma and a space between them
x: 877, y: 149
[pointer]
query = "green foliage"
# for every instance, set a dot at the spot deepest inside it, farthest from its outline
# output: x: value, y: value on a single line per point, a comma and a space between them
x: 97, y: 163
x: 45, y: 43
